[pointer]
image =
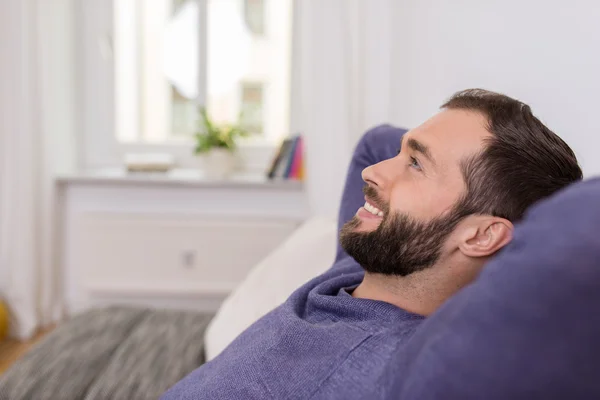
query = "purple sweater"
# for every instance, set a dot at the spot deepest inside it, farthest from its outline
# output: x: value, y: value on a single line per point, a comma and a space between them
x: 528, y: 328
x: 322, y: 342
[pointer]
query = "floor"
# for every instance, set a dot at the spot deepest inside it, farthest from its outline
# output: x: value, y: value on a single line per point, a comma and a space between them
x: 11, y: 350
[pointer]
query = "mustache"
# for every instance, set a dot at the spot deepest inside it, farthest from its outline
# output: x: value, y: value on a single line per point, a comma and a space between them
x: 375, y: 199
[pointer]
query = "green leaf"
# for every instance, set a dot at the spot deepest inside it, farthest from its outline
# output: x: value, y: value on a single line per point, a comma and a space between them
x: 212, y: 135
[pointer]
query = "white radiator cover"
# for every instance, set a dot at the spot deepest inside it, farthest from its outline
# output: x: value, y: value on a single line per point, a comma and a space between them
x: 180, y: 247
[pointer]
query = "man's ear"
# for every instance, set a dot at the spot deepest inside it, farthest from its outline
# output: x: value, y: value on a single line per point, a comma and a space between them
x: 485, y: 235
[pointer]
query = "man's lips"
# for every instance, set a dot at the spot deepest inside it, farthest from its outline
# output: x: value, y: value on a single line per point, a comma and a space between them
x: 364, y: 214
x: 368, y: 210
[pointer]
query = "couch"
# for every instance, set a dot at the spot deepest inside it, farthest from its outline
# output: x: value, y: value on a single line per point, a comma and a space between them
x: 527, y: 328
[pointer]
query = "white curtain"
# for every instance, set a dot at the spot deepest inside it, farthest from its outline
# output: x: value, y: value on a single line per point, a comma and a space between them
x: 341, y: 85
x: 35, y: 121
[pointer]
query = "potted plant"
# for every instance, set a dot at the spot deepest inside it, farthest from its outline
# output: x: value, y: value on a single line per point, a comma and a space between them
x: 216, y: 143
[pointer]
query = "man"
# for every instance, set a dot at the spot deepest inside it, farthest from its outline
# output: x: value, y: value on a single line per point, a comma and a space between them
x: 433, y: 215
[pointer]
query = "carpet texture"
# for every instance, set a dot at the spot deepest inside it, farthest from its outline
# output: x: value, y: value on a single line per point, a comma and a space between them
x: 114, y: 353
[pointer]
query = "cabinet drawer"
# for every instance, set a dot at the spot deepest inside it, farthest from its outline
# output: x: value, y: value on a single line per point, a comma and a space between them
x: 171, y: 252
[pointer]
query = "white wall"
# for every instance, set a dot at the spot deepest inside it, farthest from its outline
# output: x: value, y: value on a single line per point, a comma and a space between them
x: 543, y: 52
x: 358, y: 63
x: 340, y: 86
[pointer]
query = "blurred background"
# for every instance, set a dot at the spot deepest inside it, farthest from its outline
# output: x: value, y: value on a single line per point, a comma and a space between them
x: 112, y: 189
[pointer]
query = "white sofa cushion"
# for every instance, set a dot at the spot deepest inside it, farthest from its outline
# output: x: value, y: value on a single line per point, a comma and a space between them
x: 309, y: 252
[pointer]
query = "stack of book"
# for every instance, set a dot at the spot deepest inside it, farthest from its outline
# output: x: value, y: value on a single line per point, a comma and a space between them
x: 289, y: 160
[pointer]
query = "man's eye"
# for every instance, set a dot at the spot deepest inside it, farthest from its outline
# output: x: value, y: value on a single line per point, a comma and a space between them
x: 414, y: 163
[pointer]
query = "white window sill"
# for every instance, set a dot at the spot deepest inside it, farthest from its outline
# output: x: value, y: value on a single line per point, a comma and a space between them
x: 251, y: 157
x: 178, y: 177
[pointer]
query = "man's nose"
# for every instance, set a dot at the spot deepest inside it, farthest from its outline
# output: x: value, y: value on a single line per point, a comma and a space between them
x: 379, y: 175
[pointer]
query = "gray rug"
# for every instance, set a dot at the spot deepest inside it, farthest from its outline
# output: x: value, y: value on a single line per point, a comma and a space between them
x: 114, y: 353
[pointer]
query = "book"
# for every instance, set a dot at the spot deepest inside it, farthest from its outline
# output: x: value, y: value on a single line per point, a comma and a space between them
x: 295, y: 170
x: 290, y: 161
x: 277, y: 159
x: 149, y: 162
x: 281, y: 169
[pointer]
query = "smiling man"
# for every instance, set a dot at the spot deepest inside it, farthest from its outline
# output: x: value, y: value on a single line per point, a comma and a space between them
x: 437, y: 211
x: 430, y: 217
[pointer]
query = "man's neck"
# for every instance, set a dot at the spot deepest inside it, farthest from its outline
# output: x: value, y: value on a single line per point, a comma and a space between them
x: 419, y: 293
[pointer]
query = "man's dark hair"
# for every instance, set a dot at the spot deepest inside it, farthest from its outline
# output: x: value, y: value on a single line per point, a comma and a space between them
x: 522, y: 162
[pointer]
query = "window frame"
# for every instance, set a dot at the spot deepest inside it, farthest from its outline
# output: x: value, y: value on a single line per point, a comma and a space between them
x: 99, y: 146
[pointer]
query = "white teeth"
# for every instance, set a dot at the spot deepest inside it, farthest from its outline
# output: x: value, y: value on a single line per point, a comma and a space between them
x: 373, y: 210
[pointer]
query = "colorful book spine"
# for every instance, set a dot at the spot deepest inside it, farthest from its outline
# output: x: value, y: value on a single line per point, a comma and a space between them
x: 281, y: 170
x: 277, y: 159
x: 288, y: 162
x: 292, y: 156
x: 296, y: 167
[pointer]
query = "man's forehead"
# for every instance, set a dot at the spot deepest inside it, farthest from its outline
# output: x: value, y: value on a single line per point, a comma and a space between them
x: 452, y: 133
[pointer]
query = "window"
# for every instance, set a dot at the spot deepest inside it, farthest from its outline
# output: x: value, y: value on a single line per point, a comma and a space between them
x: 174, y: 56
x: 254, y: 15
x: 252, y: 100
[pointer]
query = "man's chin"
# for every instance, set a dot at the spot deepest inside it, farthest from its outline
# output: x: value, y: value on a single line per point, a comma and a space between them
x: 363, y: 228
x: 356, y: 231
x: 358, y: 225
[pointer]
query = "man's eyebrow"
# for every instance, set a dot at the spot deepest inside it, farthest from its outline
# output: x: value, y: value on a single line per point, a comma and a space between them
x: 420, y: 148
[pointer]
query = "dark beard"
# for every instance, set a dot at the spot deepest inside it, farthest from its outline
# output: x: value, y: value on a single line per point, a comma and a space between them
x: 400, y: 245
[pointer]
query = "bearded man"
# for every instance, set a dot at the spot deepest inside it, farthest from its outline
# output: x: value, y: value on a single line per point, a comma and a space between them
x: 430, y: 217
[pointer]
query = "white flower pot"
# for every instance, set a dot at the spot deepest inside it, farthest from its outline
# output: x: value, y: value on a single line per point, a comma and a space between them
x: 218, y: 163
